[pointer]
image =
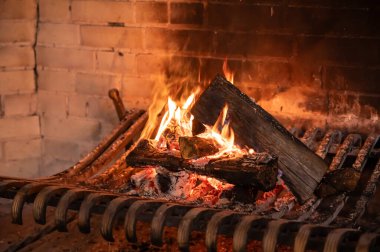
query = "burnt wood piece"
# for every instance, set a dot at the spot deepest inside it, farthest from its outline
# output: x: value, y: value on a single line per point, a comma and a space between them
x: 117, y: 146
x: 107, y: 141
x: 258, y: 170
x: 117, y: 102
x: 338, y: 181
x: 196, y: 147
x: 243, y: 194
x: 146, y: 154
x: 254, y: 127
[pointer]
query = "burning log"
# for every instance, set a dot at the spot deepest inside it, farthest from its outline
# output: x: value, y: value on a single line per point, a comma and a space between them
x: 258, y: 170
x: 196, y: 147
x: 254, y: 127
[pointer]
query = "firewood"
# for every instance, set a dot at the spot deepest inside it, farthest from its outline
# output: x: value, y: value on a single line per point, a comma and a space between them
x: 258, y: 170
x: 254, y: 127
x: 245, y: 195
x: 146, y: 154
x: 196, y: 147
x: 339, y: 181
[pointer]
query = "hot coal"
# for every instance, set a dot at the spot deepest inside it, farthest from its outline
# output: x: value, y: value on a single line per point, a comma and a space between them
x: 258, y: 169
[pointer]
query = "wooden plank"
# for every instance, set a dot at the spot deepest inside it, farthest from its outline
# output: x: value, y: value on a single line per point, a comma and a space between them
x: 254, y: 127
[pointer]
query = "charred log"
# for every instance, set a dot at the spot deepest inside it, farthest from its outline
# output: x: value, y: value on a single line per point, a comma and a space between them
x: 146, y: 154
x: 246, y: 195
x: 196, y: 147
x: 258, y: 170
x: 254, y: 127
x: 339, y: 181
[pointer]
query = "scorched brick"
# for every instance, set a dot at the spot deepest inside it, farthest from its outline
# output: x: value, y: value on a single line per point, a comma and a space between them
x: 186, y: 13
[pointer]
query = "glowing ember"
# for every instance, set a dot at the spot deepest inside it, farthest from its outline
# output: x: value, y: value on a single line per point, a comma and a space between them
x: 171, y: 113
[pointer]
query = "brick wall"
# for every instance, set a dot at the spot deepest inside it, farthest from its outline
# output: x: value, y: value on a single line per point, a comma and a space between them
x: 20, y: 138
x: 313, y: 60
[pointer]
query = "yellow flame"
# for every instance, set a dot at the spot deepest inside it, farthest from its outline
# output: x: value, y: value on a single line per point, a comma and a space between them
x: 177, y: 116
x: 223, y: 134
x: 166, y: 118
x: 228, y: 72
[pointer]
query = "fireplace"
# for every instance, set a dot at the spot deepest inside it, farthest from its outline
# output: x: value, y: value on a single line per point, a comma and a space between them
x: 313, y: 65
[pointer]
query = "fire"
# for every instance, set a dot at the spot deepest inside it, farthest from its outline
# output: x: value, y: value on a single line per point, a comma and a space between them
x: 177, y: 116
x: 223, y: 134
x: 177, y: 119
x: 228, y: 72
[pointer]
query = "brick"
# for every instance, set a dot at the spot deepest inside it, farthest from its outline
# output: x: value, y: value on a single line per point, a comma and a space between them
x: 186, y: 13
x: 244, y: 17
x: 18, y: 9
x: 21, y: 127
x: 266, y: 72
x: 51, y: 166
x: 356, y: 79
x: 19, y: 82
x: 151, y: 12
x: 133, y: 87
x: 24, y: 168
x: 118, y: 62
x: 12, y: 56
x: 370, y: 106
x: 58, y: 81
x: 137, y: 102
x: 292, y: 101
x: 108, y: 126
x: 102, y: 108
x: 52, y: 104
x: 78, y: 105
x: 179, y: 40
x: 60, y: 34
x: 66, y: 58
x: 342, y: 50
x: 211, y: 67
x: 54, y: 10
x: 63, y: 150
x: 102, y: 11
x: 20, y: 105
x: 17, y: 31
x: 80, y: 129
x: 183, y: 69
x: 336, y: 4
x: 327, y: 20
x: 86, y: 147
x: 247, y: 44
x: 149, y: 64
x: 119, y: 37
x: 15, y: 150
x: 95, y: 84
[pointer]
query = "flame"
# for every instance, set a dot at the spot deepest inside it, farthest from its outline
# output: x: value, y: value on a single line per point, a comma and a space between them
x: 224, y: 135
x: 228, y: 72
x: 177, y: 116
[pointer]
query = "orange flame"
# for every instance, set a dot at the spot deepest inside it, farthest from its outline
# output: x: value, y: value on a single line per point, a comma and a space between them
x: 223, y: 134
x: 177, y: 116
x: 228, y: 72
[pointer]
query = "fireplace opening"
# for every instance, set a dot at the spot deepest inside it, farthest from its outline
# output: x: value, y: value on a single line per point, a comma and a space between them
x: 189, y: 125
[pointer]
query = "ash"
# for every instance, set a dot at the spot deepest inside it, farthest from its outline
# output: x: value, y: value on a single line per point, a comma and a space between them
x: 156, y: 182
